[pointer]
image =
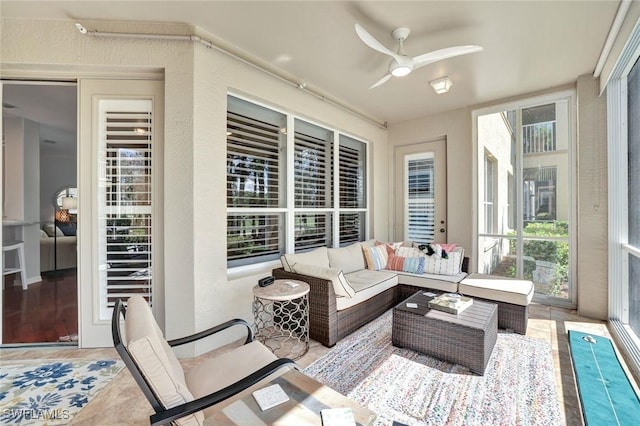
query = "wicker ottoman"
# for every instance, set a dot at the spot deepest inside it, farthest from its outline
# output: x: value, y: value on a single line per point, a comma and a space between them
x: 466, y: 339
x: 512, y: 296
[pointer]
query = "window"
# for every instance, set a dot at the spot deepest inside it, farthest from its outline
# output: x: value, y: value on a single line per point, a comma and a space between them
x: 125, y: 204
x: 623, y: 158
x: 525, y: 195
x: 256, y: 182
x: 633, y: 195
x: 420, y: 214
x: 327, y: 205
x: 313, y: 178
x: 539, y: 193
x: 489, y: 185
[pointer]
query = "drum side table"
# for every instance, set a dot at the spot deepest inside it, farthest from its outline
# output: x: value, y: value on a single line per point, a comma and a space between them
x: 281, y: 314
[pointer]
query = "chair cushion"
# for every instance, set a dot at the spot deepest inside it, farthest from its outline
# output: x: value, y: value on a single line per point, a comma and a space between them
x: 156, y: 360
x: 214, y: 374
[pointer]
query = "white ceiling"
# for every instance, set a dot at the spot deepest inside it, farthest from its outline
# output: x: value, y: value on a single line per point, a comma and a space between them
x: 528, y: 45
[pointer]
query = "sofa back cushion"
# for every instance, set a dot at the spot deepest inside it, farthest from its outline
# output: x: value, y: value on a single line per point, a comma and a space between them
x: 156, y: 360
x: 341, y: 286
x: 316, y: 256
x: 347, y: 259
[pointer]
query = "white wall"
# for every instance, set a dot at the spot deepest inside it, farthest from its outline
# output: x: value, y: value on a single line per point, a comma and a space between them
x: 197, y: 79
x: 21, y: 189
x: 455, y: 127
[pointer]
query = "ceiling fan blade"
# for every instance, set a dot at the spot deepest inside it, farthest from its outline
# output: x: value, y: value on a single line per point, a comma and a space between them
x: 370, y: 41
x: 381, y: 81
x: 439, y: 55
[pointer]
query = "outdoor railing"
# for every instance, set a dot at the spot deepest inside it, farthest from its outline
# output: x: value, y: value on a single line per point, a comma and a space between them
x: 539, y: 137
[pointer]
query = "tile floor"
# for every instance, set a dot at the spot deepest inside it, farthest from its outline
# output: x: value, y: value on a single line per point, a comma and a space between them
x: 122, y: 403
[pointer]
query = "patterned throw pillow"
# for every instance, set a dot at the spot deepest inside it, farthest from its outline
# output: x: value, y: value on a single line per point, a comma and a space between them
x: 376, y: 257
x: 440, y: 266
x: 414, y: 265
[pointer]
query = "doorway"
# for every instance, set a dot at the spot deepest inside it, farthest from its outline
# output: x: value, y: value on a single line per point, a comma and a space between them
x: 39, y: 208
x: 421, y: 192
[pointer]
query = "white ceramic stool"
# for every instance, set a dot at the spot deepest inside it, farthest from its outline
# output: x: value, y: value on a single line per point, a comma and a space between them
x: 17, y: 246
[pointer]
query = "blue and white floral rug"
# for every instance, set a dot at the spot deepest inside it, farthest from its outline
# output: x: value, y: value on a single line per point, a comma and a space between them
x: 51, y: 392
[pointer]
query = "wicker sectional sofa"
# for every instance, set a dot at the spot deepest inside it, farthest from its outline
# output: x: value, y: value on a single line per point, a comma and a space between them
x: 332, y: 315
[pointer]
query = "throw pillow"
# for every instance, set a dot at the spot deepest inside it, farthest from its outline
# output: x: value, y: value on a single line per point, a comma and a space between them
x: 440, y: 266
x: 404, y: 251
x: 414, y: 265
x: 68, y: 229
x: 341, y: 286
x: 376, y: 257
x: 48, y: 228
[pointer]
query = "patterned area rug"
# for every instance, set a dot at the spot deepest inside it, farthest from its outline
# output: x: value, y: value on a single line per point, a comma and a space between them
x: 51, y: 392
x: 401, y: 385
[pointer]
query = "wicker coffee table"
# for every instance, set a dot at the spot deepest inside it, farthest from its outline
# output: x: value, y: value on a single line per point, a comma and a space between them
x: 466, y: 339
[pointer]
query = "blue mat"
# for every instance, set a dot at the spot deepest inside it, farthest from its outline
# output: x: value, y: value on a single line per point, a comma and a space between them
x: 606, y: 395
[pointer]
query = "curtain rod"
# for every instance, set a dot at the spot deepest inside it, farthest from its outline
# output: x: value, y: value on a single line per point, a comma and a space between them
x: 197, y: 39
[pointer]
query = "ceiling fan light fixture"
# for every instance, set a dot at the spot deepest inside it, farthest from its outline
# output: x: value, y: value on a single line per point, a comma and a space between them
x: 441, y: 85
x: 400, y: 71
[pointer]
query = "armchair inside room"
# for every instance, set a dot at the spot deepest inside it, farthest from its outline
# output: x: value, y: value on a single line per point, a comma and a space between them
x: 187, y: 399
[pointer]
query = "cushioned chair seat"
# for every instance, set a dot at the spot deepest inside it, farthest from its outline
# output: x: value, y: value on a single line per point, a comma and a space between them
x: 217, y: 373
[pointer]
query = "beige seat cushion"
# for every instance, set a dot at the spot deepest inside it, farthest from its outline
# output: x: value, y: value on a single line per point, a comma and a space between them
x: 155, y: 358
x: 367, y: 285
x: 500, y: 289
x: 217, y: 373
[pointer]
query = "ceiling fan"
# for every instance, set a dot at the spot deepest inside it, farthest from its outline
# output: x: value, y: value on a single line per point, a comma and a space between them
x: 402, y: 64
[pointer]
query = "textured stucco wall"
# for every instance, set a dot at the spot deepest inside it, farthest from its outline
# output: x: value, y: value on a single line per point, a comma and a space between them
x: 198, y: 292
x: 592, y: 200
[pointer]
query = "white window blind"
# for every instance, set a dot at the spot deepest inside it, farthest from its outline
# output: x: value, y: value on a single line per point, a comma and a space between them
x: 313, y: 166
x: 125, y: 200
x: 313, y: 183
x: 420, y: 212
x: 255, y: 183
x: 352, y: 173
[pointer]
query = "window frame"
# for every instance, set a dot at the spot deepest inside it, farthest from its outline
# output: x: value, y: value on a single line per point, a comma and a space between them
x: 619, y: 249
x: 569, y: 96
x: 289, y: 209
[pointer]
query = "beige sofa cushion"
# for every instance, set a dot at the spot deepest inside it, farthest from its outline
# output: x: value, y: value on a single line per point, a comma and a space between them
x: 367, y: 285
x: 225, y: 369
x: 156, y: 359
x: 341, y: 285
x: 347, y: 259
x: 500, y: 289
x: 316, y: 256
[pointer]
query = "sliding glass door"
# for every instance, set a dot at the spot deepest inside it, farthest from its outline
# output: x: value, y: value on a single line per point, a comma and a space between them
x: 524, y: 192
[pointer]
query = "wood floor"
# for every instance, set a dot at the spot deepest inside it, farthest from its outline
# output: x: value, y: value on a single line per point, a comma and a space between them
x: 46, y: 312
